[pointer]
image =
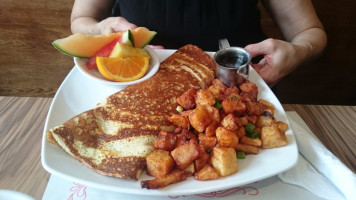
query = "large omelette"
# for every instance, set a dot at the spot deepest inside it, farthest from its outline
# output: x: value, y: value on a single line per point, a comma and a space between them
x: 114, y: 138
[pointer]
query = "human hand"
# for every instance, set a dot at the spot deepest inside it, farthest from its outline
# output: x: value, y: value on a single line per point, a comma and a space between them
x: 156, y: 46
x: 279, y: 59
x: 114, y: 24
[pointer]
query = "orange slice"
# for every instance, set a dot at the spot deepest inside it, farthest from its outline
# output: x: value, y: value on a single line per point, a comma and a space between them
x: 123, y: 69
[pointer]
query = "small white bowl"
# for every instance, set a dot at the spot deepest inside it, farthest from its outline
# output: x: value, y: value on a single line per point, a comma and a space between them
x: 95, y: 75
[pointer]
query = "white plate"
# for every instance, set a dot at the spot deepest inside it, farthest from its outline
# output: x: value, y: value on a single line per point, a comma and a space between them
x: 95, y: 75
x: 78, y: 94
x: 14, y: 195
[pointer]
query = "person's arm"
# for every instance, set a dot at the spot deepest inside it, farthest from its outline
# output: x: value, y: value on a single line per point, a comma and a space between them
x: 304, y: 34
x: 93, y: 17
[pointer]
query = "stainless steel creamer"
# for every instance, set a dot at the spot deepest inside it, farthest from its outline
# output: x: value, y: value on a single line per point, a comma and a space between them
x: 232, y: 63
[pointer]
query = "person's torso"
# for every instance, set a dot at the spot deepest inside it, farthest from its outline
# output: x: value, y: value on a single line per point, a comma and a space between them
x: 198, y: 22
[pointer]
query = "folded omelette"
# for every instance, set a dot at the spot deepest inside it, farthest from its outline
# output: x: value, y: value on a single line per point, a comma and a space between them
x: 114, y: 138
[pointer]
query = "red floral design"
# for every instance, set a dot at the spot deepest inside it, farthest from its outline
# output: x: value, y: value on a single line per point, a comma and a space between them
x: 79, y: 191
x: 176, y: 197
x: 252, y: 191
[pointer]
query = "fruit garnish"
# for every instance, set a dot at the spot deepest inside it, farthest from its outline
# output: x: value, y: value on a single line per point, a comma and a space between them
x: 123, y: 69
x: 127, y: 38
x: 142, y: 36
x: 103, y: 52
x: 84, y: 46
x: 122, y: 50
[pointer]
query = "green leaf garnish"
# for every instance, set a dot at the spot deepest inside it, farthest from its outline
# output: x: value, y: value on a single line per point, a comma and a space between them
x: 218, y: 104
x: 233, y: 97
x: 250, y: 131
x: 240, y: 155
x: 179, y: 108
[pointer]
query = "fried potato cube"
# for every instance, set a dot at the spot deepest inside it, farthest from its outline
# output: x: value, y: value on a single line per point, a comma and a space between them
x: 185, y: 113
x: 282, y: 126
x: 185, y: 154
x: 165, y: 141
x: 249, y: 89
x: 251, y: 141
x: 240, y: 132
x: 248, y: 149
x: 233, y: 106
x: 243, y: 121
x: 226, y: 138
x: 220, y: 84
x: 204, y: 98
x: 175, y: 176
x: 179, y: 120
x: 249, y: 95
x: 214, y: 113
x: 206, y: 141
x: 202, y: 160
x: 232, y: 91
x: 252, y: 118
x: 190, y: 168
x: 200, y: 118
x: 267, y: 106
x: 211, y: 129
x: 184, y: 136
x: 216, y: 91
x: 272, y: 137
x: 253, y: 108
x: 208, y: 172
x: 188, y: 134
x: 181, y: 139
x: 187, y: 99
x: 264, y: 121
x: 230, y: 122
x: 159, y: 163
x: 224, y: 160
x: 266, y: 103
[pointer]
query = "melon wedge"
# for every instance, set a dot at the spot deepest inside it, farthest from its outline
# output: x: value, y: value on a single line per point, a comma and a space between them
x: 142, y: 36
x: 84, y: 46
x: 126, y: 38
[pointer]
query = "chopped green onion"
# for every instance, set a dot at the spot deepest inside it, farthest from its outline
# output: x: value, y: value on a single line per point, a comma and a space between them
x: 250, y: 131
x: 253, y: 135
x: 233, y: 97
x: 240, y: 155
x: 217, y: 104
x: 250, y: 127
x: 179, y: 108
x: 208, y: 151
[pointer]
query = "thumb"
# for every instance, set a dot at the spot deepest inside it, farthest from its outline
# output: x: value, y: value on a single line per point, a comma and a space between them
x: 258, y: 49
x: 126, y: 25
x: 119, y: 24
x: 107, y: 30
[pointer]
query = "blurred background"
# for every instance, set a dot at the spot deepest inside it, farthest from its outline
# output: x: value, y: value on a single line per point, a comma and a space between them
x: 31, y: 66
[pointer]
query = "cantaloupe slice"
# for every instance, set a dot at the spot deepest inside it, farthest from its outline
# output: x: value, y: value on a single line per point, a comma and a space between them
x: 84, y: 46
x: 142, y: 36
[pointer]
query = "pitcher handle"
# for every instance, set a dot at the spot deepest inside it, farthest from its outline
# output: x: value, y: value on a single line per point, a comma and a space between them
x: 223, y: 43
